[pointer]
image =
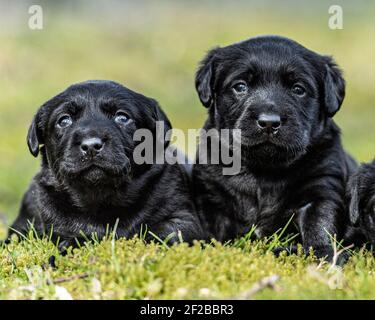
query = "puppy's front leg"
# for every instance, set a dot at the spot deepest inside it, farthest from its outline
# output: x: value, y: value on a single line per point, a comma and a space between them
x: 25, y: 221
x: 318, y: 224
x: 183, y: 222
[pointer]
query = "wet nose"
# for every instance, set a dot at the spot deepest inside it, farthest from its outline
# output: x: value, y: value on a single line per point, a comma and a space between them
x: 269, y: 122
x: 91, y: 146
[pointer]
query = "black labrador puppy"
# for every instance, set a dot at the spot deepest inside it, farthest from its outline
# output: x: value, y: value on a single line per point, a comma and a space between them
x: 282, y: 97
x: 89, y: 180
x: 361, y: 192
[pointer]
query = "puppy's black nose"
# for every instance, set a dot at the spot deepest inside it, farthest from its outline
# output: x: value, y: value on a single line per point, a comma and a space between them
x: 92, y: 146
x: 269, y: 122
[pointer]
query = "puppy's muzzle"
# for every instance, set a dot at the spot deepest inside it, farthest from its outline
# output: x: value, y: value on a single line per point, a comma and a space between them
x: 269, y: 123
x: 91, y: 146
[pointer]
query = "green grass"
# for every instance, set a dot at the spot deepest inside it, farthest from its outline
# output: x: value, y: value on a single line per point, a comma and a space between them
x: 130, y: 269
x: 154, y: 48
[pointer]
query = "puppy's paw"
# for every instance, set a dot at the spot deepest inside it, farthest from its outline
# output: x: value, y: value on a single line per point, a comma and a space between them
x: 63, y: 248
x: 289, y: 250
x: 321, y: 252
x: 327, y: 253
x: 64, y: 245
x: 5, y: 242
x: 52, y: 262
x: 343, y: 258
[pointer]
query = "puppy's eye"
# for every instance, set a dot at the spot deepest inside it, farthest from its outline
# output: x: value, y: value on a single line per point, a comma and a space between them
x: 240, y: 87
x: 64, y: 121
x: 121, y: 117
x: 298, y: 90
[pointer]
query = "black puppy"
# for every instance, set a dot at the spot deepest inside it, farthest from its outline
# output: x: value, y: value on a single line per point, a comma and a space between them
x: 282, y: 97
x: 361, y: 191
x: 89, y: 180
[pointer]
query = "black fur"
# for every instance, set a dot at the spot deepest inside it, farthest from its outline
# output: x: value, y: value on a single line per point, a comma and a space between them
x: 77, y: 192
x: 361, y: 194
x: 299, y: 169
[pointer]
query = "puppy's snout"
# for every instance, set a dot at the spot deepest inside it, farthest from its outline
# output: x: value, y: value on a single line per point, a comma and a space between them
x: 269, y: 122
x: 91, y: 146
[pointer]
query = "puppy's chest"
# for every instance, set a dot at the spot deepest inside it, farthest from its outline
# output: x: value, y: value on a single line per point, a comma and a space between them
x: 260, y: 203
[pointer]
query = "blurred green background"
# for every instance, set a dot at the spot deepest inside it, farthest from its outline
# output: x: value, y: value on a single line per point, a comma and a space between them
x: 153, y: 47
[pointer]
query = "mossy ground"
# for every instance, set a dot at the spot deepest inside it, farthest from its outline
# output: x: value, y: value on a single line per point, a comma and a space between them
x: 131, y: 269
x: 154, y: 48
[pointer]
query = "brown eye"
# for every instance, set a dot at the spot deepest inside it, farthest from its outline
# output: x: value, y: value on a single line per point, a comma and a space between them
x: 298, y: 90
x: 64, y: 121
x: 240, y: 87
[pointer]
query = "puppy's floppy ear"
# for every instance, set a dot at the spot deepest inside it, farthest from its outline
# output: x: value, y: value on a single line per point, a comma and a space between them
x: 204, y: 78
x: 34, y: 136
x: 334, y: 87
x: 354, y: 198
x: 159, y: 115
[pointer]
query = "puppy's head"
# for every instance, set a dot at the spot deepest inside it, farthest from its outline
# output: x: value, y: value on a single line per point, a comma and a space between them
x: 280, y: 94
x: 86, y: 132
x: 361, y: 190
